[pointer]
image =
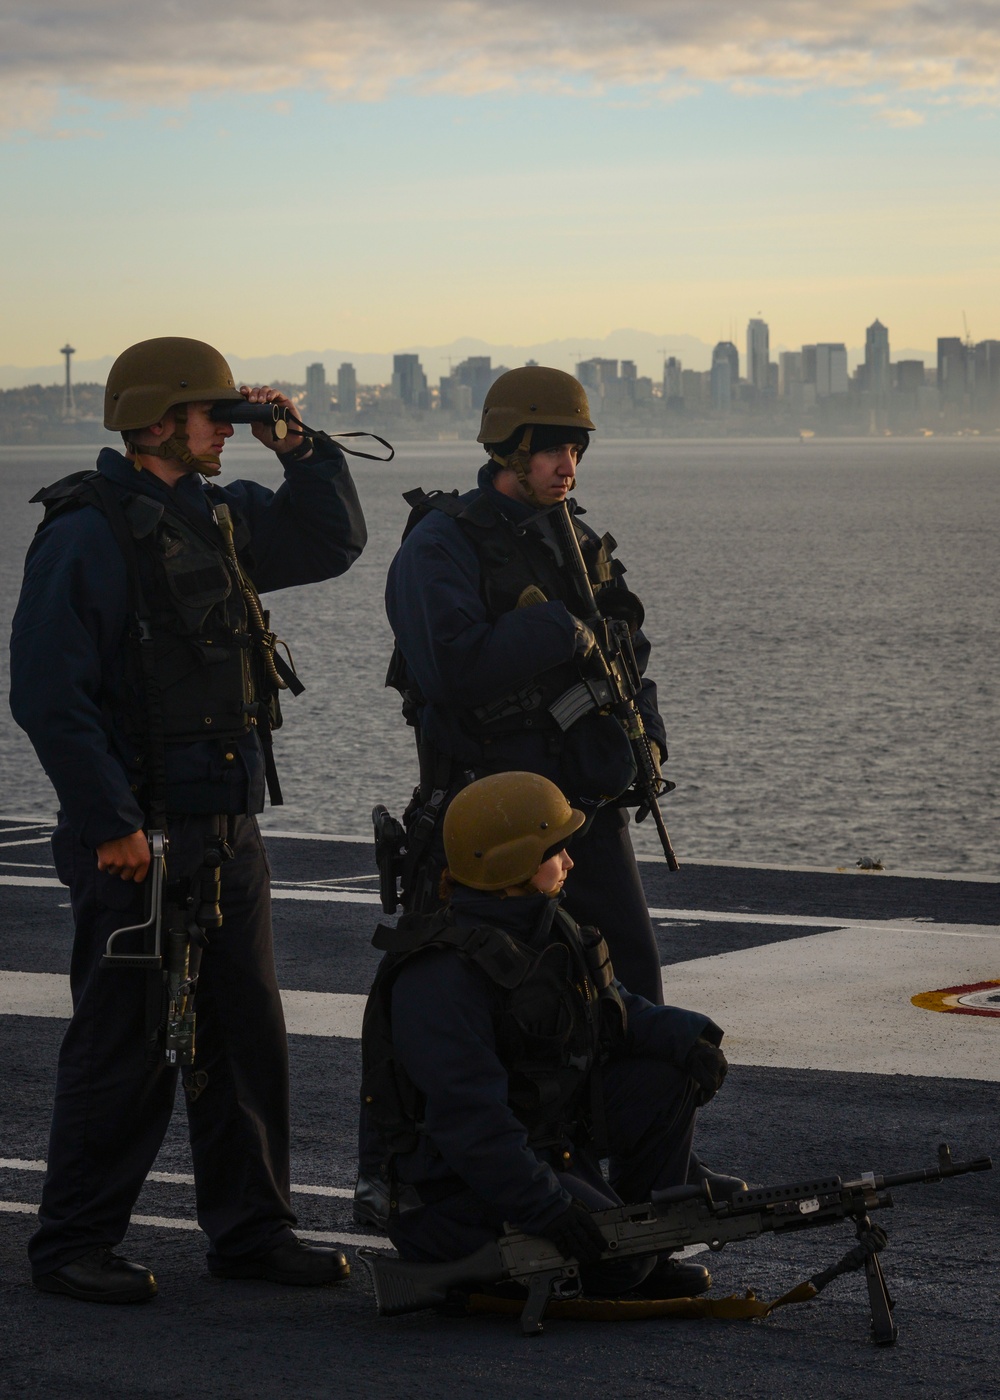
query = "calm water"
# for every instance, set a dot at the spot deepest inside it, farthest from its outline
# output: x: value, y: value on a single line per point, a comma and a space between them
x: 825, y: 625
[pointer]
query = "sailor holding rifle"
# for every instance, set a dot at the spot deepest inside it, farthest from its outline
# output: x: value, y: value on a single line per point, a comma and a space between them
x: 146, y: 676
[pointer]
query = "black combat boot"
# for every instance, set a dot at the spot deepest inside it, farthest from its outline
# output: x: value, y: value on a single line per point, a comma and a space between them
x: 100, y: 1277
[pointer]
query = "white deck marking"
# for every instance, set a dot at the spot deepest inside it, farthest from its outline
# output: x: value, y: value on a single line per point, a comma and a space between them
x: 306, y: 1013
x: 841, y: 1001
x: 169, y: 1222
x: 18, y: 1164
x: 25, y: 841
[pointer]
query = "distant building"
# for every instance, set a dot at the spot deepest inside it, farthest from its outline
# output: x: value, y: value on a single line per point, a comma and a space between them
x: 987, y: 369
x: 476, y: 374
x: 726, y: 349
x: 758, y: 355
x: 347, y: 389
x: 789, y: 371
x: 808, y: 353
x: 831, y: 370
x: 672, y: 387
x: 910, y: 376
x: 723, y: 381
x: 951, y: 369
x: 878, y: 371
x: 409, y: 383
x: 317, y: 397
x: 693, y: 388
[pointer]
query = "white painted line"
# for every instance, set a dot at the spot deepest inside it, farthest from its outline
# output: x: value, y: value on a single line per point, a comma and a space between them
x: 325, y: 896
x: 17, y: 1164
x: 27, y: 841
x: 169, y: 1222
x: 319, y: 836
x: 32, y: 881
x: 323, y: 1013
x: 35, y: 994
x: 841, y: 1001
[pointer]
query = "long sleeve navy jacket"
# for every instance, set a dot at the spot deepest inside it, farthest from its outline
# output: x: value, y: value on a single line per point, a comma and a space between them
x: 443, y: 1033
x: 461, y: 656
x: 68, y: 638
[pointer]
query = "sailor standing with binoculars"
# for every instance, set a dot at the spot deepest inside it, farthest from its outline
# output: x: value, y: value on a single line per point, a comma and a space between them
x: 146, y: 676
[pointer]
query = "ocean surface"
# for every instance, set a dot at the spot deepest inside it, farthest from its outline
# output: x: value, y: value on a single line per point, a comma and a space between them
x: 825, y: 625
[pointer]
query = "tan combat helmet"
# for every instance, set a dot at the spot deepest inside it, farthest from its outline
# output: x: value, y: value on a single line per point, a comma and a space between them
x: 528, y: 398
x: 533, y: 395
x: 498, y: 830
x: 156, y: 375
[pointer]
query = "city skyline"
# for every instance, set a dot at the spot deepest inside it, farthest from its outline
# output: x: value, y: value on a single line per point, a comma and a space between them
x: 385, y: 174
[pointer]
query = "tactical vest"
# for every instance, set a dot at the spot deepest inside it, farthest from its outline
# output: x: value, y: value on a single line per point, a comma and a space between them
x: 557, y: 1015
x: 182, y: 590
x: 512, y: 557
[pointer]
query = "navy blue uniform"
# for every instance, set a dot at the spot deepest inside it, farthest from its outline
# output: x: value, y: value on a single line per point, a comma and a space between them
x: 473, y: 1167
x: 69, y: 684
x: 462, y: 657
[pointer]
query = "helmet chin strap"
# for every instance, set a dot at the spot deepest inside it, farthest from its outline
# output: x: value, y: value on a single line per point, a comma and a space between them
x: 517, y: 462
x: 176, y: 447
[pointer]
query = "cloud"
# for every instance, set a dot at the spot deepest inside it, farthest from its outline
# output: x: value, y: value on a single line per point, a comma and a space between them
x: 900, y: 117
x: 166, y: 53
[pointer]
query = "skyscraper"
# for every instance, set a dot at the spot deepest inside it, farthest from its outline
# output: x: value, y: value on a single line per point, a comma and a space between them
x: 951, y: 368
x: 409, y: 383
x: 347, y: 389
x: 758, y: 354
x: 831, y: 370
x: 317, y: 398
x: 672, y: 371
x: 725, y: 372
x: 878, y: 373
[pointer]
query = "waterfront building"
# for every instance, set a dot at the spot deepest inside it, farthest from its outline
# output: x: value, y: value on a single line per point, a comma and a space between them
x: 347, y: 389
x: 672, y: 371
x: 317, y: 403
x: 951, y: 369
x: 758, y: 355
x: 409, y: 382
x: 877, y: 366
x: 789, y: 371
x: 723, y: 379
x: 831, y: 370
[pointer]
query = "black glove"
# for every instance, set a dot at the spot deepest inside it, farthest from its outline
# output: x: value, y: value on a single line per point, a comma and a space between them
x: 576, y: 1235
x: 707, y: 1065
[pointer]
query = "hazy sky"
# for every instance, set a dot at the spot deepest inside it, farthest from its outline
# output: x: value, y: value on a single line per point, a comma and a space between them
x: 296, y: 173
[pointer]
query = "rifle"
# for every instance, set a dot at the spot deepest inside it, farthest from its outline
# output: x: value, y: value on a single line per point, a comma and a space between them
x: 674, y: 1219
x: 177, y: 919
x: 615, y: 681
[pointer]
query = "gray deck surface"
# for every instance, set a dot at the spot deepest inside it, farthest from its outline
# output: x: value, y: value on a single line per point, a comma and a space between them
x: 774, y: 1121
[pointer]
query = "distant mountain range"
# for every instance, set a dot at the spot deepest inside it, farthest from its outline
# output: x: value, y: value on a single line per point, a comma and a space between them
x: 644, y: 347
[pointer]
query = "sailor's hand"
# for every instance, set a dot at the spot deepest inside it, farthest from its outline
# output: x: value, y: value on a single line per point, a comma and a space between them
x: 584, y: 640
x: 127, y: 856
x: 707, y: 1066
x: 262, y: 431
x: 576, y: 1234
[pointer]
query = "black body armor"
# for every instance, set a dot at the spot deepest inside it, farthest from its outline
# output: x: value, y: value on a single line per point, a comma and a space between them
x: 557, y: 1015
x: 189, y: 642
x: 512, y: 557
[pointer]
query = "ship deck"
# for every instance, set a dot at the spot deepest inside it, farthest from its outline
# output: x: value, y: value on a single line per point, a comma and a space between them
x: 834, y: 1069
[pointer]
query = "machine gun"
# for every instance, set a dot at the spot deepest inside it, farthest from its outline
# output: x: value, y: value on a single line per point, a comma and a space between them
x: 612, y: 681
x: 674, y: 1219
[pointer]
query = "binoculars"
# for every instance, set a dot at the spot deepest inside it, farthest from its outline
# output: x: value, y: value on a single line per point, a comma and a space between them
x: 239, y: 411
